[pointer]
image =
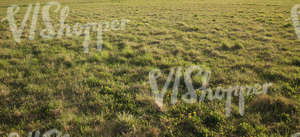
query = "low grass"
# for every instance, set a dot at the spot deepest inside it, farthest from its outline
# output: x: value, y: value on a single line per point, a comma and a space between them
x: 47, y: 84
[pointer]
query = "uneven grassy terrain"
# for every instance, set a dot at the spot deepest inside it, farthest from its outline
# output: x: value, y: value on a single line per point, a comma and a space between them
x: 46, y: 84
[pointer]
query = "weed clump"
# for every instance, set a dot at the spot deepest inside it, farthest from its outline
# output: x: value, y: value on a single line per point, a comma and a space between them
x: 296, y: 61
x: 245, y: 129
x: 237, y: 46
x: 274, y: 108
x: 225, y: 46
x: 213, y: 120
x: 267, y: 103
x: 287, y: 25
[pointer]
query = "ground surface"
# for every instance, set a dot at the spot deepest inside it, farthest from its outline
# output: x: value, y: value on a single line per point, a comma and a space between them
x: 48, y: 84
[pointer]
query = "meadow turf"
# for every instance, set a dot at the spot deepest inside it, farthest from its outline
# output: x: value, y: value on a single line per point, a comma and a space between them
x: 46, y: 84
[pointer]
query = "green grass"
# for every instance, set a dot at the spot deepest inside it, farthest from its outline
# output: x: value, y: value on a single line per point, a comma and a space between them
x: 47, y: 84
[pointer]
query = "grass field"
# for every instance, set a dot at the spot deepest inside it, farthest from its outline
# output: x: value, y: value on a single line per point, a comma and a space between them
x: 46, y: 84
